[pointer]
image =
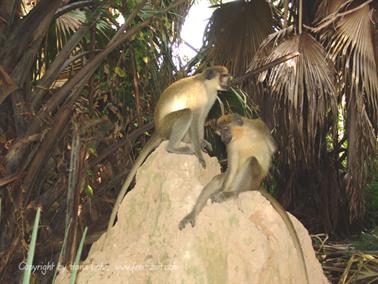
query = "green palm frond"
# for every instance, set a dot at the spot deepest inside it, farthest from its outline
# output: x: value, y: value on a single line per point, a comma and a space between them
x: 235, y: 31
x: 67, y: 24
x: 302, y: 91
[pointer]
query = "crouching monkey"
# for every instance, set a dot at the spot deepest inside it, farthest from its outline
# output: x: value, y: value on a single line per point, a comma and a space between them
x: 250, y: 147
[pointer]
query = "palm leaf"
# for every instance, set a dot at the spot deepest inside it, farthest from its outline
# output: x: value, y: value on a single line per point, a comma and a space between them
x: 235, y: 31
x: 302, y: 92
x: 350, y: 44
x: 67, y: 24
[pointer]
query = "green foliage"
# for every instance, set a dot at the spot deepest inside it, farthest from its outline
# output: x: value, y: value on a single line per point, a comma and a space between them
x: 371, y: 199
x: 31, y: 251
x: 77, y: 258
x: 107, y: 105
x: 120, y: 72
x: 233, y: 101
x: 62, y: 249
x: 91, y: 149
x: 368, y: 240
x: 89, y: 191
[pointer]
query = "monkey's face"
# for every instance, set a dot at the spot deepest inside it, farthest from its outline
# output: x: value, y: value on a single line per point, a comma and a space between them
x: 218, y: 77
x: 225, y: 81
x: 225, y: 133
x: 225, y: 124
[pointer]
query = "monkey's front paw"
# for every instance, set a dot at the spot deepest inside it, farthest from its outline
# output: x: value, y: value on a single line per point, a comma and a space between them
x: 190, y: 218
x: 217, y: 197
x: 202, y: 162
x: 220, y: 197
x: 206, y: 146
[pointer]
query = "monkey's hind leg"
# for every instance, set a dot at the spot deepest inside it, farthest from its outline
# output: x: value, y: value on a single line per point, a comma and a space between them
x: 213, y: 186
x: 184, y: 125
x: 180, y: 123
x: 196, y: 137
x: 205, y: 145
x: 248, y: 178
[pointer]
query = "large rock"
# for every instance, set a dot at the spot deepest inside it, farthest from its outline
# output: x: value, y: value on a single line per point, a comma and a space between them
x: 239, y: 241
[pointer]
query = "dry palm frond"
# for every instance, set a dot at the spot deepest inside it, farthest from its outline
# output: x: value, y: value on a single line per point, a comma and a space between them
x: 361, y: 267
x: 350, y: 44
x: 302, y: 90
x: 343, y: 263
x: 235, y: 31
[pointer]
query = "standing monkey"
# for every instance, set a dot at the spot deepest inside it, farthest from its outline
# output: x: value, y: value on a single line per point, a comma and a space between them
x: 179, y: 117
x: 250, y: 147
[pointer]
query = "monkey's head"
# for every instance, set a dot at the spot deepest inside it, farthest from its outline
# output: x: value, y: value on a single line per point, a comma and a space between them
x: 225, y: 123
x: 217, y: 78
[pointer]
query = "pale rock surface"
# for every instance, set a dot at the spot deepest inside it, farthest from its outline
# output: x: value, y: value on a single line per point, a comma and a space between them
x: 239, y: 241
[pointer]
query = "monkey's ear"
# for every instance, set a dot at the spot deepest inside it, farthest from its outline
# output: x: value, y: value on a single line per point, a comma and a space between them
x: 238, y: 120
x: 209, y: 74
x: 226, y: 135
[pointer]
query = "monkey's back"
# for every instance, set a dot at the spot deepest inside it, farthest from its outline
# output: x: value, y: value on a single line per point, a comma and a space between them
x: 254, y: 140
x: 187, y: 93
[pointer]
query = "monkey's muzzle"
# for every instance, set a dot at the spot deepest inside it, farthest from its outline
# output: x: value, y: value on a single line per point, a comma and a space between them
x: 225, y: 81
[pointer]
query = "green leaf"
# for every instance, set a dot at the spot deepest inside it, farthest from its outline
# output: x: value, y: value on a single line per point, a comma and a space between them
x: 91, y: 149
x: 120, y: 72
x: 33, y: 241
x: 89, y: 191
x: 77, y: 259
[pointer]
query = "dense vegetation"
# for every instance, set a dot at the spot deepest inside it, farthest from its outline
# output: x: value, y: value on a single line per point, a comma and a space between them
x: 79, y: 81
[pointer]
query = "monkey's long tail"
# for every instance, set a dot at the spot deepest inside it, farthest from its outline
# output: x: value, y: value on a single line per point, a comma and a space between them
x: 290, y: 227
x: 152, y: 144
